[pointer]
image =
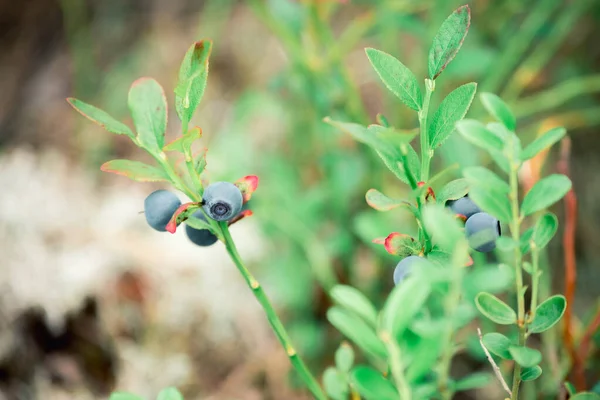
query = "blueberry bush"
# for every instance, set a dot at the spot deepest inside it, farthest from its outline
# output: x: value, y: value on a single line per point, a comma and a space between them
x: 473, y: 257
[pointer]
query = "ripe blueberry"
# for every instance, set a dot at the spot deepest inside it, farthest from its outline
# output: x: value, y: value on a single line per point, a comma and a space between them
x: 463, y: 206
x: 201, y: 237
x: 405, y: 267
x: 159, y: 207
x: 482, y: 230
x: 222, y: 201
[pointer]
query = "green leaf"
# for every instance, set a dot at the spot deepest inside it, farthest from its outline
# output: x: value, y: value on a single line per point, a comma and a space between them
x: 443, y: 226
x: 135, y: 170
x: 544, y: 193
x: 148, y: 107
x: 491, y: 279
x: 498, y: 344
x: 169, y: 393
x: 544, y: 230
x: 485, y: 179
x: 403, y: 303
x: 495, y: 309
x: 193, y: 75
x: 543, y: 142
x: 525, y: 356
x: 372, y: 385
x: 335, y: 384
x: 100, y: 117
x: 381, y: 202
x: 357, y: 330
x: 493, y: 202
x: 548, y: 313
x: 344, y: 357
x: 425, y: 352
x: 499, y: 110
x: 505, y: 244
x: 353, y: 300
x: 586, y: 396
x: 448, y: 40
x: 396, y: 77
x: 402, y: 245
x: 531, y: 373
x: 526, y: 240
x: 453, y: 108
x: 476, y: 133
x: 124, y: 396
x: 473, y: 381
x: 453, y: 190
x: 183, y: 144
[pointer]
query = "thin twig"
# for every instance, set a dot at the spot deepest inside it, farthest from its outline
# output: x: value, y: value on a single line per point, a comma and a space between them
x: 570, y: 266
x: 494, y: 366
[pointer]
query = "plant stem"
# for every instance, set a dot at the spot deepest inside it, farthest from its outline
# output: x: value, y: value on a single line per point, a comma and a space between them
x: 272, y: 317
x: 514, y: 228
x: 426, y: 152
x: 535, y: 280
x: 396, y: 365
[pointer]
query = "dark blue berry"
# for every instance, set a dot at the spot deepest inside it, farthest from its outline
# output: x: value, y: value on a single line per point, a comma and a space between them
x: 482, y: 230
x: 406, y: 266
x: 463, y: 206
x: 201, y: 237
x: 222, y: 201
x: 159, y: 207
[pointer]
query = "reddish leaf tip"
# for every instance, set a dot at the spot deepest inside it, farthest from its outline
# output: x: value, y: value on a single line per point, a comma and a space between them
x: 379, y: 241
x: 247, y: 186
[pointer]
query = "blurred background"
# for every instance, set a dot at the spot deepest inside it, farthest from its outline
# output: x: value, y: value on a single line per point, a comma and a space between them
x: 93, y: 300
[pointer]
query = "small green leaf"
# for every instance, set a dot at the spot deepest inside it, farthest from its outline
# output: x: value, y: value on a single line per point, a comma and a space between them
x: 357, y: 330
x: 495, y: 309
x: 402, y: 245
x: 100, y: 117
x: 493, y: 202
x: 403, y: 303
x: 135, y: 170
x: 586, y: 396
x: 335, y: 384
x: 169, y: 393
x: 491, y: 279
x: 526, y: 240
x: 193, y: 75
x: 476, y: 133
x: 344, y: 357
x: 124, y: 396
x: 485, y: 179
x: 396, y: 77
x: 148, y: 107
x: 372, y: 385
x: 453, y: 108
x: 544, y: 230
x: 356, y: 302
x: 548, y: 313
x: 381, y: 202
x: 531, y: 373
x: 543, y: 142
x: 453, y: 190
x: 423, y: 352
x: 184, y: 143
x: 527, y: 267
x: 390, y: 151
x: 448, y: 40
x: 571, y: 390
x: 505, y: 244
x: 443, y: 226
x: 498, y: 344
x: 473, y: 381
x: 499, y: 110
x: 544, y: 193
x: 525, y: 356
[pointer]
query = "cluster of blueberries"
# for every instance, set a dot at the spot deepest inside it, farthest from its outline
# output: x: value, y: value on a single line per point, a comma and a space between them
x: 221, y: 201
x: 481, y: 230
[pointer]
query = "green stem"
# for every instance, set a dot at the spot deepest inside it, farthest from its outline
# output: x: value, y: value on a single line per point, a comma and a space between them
x: 397, y: 367
x: 535, y: 279
x: 272, y: 317
x: 515, y: 230
x: 189, y: 162
x: 426, y: 152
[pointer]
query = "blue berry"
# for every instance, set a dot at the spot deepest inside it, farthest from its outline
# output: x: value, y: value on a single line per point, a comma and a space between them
x: 159, y: 207
x: 405, y: 267
x: 201, y: 237
x: 482, y: 230
x: 463, y: 206
x: 222, y: 201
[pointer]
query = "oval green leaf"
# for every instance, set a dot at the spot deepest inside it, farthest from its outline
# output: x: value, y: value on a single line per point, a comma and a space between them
x: 372, y: 385
x: 485, y: 179
x: 381, y: 202
x: 531, y: 373
x: 545, y: 229
x: 148, y: 107
x: 335, y: 384
x: 525, y: 356
x: 448, y: 40
x: 135, y: 170
x: 499, y: 110
x: 396, y: 77
x: 356, y: 302
x: 169, y: 393
x: 545, y: 192
x: 344, y: 357
x: 495, y: 309
x: 357, y: 330
x: 452, y: 109
x: 404, y: 302
x: 493, y: 202
x: 543, y: 142
x: 586, y: 396
x: 548, y: 313
x: 100, y: 117
x: 453, y: 190
x: 476, y: 133
x: 498, y: 344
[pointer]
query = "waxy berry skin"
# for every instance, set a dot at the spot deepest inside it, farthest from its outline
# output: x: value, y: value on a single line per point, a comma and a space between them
x: 222, y: 201
x: 200, y: 237
x: 159, y: 207
x: 482, y: 230
x: 463, y: 206
x: 404, y: 267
